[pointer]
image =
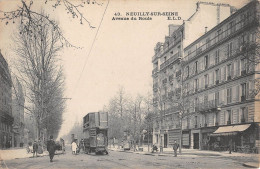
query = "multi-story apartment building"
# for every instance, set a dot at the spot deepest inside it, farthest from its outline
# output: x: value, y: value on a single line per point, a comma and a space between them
x: 167, y: 69
x: 6, y: 119
x: 17, y: 112
x: 219, y: 77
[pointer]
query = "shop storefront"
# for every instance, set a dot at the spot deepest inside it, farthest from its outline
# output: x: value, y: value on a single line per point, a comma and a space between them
x: 6, y: 122
x: 195, y: 139
x: 205, y: 137
x: 239, y: 137
x: 186, y: 138
x: 174, y: 134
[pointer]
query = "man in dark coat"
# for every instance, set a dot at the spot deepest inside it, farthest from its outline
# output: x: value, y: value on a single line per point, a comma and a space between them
x: 35, y: 148
x: 175, y: 147
x: 51, y: 148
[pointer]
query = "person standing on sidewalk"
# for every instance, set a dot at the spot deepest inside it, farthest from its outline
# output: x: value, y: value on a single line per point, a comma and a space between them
x: 175, y: 148
x: 74, y: 147
x: 35, y: 148
x: 51, y: 148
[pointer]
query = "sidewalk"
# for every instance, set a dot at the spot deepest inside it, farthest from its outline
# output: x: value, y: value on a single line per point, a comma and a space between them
x: 169, y: 151
x: 193, y: 153
x: 10, y: 154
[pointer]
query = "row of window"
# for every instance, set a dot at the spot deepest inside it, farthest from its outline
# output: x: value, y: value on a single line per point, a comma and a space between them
x: 237, y: 93
x: 230, y: 28
x: 226, y: 117
x: 216, y: 57
x: 4, y: 127
x: 224, y: 73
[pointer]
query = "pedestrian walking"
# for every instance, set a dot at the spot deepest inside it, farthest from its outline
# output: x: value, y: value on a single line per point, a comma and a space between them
x: 35, y: 148
x: 62, y: 145
x: 74, y: 147
x: 230, y: 146
x: 175, y: 148
x: 51, y: 148
x: 81, y: 146
x: 40, y: 149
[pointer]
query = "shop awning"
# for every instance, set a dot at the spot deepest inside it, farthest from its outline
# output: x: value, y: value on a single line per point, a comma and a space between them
x: 230, y: 130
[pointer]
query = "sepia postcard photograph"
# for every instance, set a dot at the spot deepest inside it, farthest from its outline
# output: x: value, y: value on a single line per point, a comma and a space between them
x: 140, y: 84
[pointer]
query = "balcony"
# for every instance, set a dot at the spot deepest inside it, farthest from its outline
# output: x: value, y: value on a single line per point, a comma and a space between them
x: 155, y: 71
x: 164, y: 97
x: 199, y: 50
x: 170, y: 94
x: 243, y: 72
x: 164, y: 81
x: 205, y: 107
x: 171, y: 126
x: 155, y: 100
x: 178, y: 91
x: 157, y: 55
x: 243, y: 98
x: 243, y: 120
x: 155, y: 87
x: 178, y: 73
x: 171, y: 60
x: 222, y: 36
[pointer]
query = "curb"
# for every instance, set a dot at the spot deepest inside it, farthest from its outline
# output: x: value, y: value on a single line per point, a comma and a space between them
x: 251, y: 165
x: 143, y: 153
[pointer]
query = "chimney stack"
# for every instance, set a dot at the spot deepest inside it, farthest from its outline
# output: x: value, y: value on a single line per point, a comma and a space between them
x: 206, y: 29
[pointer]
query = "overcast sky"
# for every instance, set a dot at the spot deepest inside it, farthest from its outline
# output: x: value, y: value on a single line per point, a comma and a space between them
x: 121, y: 54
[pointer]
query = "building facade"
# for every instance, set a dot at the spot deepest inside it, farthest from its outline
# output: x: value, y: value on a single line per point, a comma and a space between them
x: 6, y: 119
x: 202, y: 81
x: 219, y: 77
x: 18, y: 112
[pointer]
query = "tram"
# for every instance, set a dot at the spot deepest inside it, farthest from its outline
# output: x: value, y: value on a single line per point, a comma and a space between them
x: 95, y: 130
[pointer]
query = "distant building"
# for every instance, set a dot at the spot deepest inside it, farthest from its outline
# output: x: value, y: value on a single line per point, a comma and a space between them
x: 18, y: 112
x: 6, y: 119
x: 202, y: 85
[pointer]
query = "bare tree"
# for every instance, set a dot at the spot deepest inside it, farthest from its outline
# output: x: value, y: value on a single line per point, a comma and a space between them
x: 250, y: 49
x: 136, y: 114
x: 38, y: 68
x: 28, y: 18
x: 149, y: 115
x: 118, y: 115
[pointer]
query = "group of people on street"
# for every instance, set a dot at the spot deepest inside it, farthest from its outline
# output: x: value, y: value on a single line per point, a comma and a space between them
x: 51, y: 147
x: 77, y: 148
x: 37, y: 148
x: 175, y: 147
